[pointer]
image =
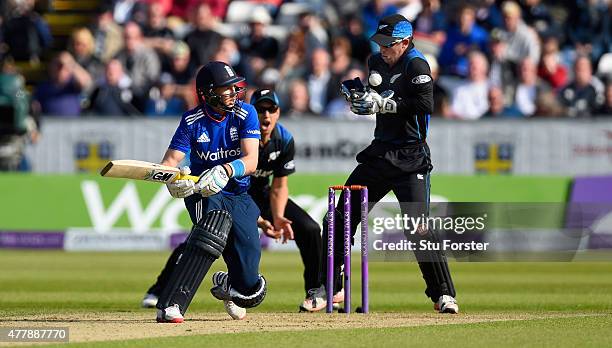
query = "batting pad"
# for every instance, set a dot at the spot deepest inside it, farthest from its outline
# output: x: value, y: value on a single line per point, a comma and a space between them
x: 204, y: 245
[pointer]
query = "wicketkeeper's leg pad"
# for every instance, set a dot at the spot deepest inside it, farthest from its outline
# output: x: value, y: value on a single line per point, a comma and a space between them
x: 203, y: 246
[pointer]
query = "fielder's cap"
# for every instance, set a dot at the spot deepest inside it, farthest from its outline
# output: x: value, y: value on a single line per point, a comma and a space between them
x: 392, y: 29
x: 264, y: 94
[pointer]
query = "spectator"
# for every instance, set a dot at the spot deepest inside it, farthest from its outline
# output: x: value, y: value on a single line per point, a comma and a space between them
x: 262, y: 50
x: 360, y: 44
x: 432, y: 21
x: 293, y: 65
x: 61, y: 94
x: 501, y: 72
x: 156, y: 31
x: 497, y: 107
x: 183, y: 8
x: 140, y: 62
x: 488, y: 15
x: 25, y: 32
x: 180, y: 66
x: 113, y: 96
x: 163, y: 100
x: 82, y: 46
x: 108, y: 35
x: 581, y: 96
x: 125, y: 11
x: 203, y: 40
x: 229, y: 53
x: 318, y: 80
x: 521, y: 40
x: 470, y: 98
x: 547, y: 105
x: 586, y: 27
x: 606, y: 107
x: 462, y: 38
x: 440, y: 94
x: 257, y: 45
x: 537, y: 15
x: 341, y: 62
x: 372, y: 12
x: 299, y: 99
x: 16, y: 124
x: 409, y: 8
x: 315, y: 35
x: 528, y: 88
x: 182, y: 72
x: 551, y: 69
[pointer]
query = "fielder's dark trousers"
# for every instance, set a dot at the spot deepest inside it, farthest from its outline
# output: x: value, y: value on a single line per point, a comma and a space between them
x: 407, y: 187
x: 307, y: 235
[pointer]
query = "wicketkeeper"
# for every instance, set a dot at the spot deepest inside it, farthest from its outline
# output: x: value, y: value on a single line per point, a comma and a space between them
x: 400, y: 94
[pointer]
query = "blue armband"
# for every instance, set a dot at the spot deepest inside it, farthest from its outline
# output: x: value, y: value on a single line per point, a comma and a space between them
x: 238, y: 168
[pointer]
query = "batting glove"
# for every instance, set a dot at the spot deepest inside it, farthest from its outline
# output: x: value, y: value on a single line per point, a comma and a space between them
x: 181, y: 188
x: 212, y: 181
x: 374, y: 103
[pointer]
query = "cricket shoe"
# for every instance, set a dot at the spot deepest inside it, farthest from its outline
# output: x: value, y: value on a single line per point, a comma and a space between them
x: 149, y: 301
x: 171, y: 314
x: 338, y: 299
x: 234, y: 311
x: 446, y: 304
x: 317, y: 300
x: 221, y: 290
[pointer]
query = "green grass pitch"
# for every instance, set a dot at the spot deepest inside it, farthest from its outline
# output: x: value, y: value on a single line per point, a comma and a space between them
x: 507, y: 304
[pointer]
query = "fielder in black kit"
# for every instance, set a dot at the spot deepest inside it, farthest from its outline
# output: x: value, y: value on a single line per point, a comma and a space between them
x: 280, y: 217
x: 400, y: 93
x: 276, y: 152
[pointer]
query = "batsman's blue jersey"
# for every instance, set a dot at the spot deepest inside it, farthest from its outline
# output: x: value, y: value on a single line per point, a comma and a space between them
x: 211, y: 140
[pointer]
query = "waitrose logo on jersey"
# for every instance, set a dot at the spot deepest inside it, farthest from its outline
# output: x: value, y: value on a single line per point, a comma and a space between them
x: 219, y: 154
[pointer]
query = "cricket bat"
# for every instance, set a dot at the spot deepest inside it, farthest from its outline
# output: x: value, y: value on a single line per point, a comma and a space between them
x: 140, y: 170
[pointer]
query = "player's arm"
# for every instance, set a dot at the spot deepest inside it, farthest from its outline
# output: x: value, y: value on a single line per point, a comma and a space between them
x: 279, y: 191
x: 247, y: 164
x: 279, y: 195
x: 179, y: 188
x: 419, y: 97
x: 172, y: 158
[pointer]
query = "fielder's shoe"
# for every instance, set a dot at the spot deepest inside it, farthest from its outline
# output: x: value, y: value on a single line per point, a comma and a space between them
x: 447, y: 304
x: 149, y: 301
x: 338, y: 299
x: 220, y: 290
x: 171, y: 314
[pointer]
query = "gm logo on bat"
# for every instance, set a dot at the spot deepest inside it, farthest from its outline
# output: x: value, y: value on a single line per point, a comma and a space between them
x: 159, y: 176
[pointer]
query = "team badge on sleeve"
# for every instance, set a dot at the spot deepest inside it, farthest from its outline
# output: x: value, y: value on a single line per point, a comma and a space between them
x: 421, y: 79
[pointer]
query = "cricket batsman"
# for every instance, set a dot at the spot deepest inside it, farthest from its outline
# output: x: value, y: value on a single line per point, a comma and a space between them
x: 222, y: 137
x: 400, y: 94
x: 281, y: 217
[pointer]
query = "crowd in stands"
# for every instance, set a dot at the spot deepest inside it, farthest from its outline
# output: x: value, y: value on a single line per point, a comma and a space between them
x: 489, y: 59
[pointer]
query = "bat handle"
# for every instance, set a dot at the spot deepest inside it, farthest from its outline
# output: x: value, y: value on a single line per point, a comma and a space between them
x: 188, y: 177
